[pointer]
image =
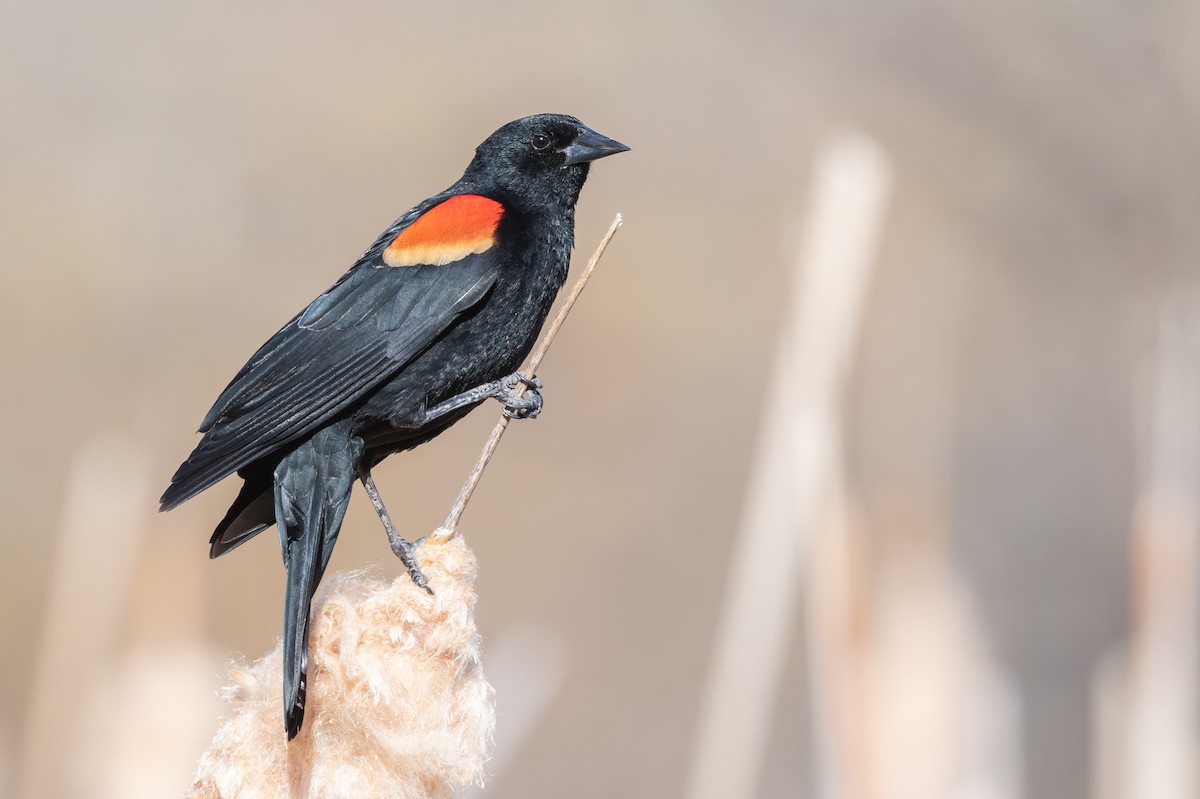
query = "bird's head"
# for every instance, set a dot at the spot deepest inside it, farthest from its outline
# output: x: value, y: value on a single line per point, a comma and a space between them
x: 540, y: 159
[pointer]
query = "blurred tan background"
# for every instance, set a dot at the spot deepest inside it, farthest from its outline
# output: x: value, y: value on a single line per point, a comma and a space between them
x: 177, y: 179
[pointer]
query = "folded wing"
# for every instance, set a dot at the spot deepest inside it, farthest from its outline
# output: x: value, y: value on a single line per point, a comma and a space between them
x: 351, y: 339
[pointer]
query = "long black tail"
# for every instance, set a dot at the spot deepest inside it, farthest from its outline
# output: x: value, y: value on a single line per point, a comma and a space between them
x: 312, y: 490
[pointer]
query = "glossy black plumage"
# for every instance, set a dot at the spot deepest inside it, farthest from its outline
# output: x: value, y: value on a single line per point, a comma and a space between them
x: 354, y: 376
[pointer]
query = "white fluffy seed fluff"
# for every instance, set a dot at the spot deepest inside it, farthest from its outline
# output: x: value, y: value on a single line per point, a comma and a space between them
x: 397, y: 702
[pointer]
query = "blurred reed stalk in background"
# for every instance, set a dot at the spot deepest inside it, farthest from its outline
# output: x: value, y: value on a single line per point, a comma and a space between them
x: 122, y: 676
x: 1147, y: 733
x: 795, y: 469
x: 105, y: 496
x: 907, y: 700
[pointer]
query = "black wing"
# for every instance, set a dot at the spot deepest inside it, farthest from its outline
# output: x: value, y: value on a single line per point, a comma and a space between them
x: 349, y: 340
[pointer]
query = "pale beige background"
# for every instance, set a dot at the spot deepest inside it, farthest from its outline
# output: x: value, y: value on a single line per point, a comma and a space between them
x: 177, y: 179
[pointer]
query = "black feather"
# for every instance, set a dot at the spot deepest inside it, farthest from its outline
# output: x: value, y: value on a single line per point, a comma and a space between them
x: 312, y: 491
x: 252, y: 512
x: 316, y: 366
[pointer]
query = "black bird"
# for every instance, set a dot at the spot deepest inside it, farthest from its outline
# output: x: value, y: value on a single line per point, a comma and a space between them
x: 434, y: 318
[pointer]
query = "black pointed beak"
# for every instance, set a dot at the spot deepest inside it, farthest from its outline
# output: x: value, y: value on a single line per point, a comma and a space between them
x: 590, y: 145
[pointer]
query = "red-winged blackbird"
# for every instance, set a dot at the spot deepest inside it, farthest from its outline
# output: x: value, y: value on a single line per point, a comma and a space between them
x: 433, y: 319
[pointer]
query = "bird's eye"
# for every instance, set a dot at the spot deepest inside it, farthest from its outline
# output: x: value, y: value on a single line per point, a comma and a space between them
x: 540, y: 141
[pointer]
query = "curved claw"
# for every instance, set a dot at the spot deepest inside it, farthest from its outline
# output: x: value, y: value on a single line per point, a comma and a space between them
x: 533, y: 383
x: 524, y: 407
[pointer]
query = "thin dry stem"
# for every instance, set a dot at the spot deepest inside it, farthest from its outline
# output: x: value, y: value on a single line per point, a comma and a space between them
x: 449, y: 528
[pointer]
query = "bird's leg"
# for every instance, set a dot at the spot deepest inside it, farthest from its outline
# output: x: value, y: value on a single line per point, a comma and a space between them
x: 405, y: 550
x: 516, y: 405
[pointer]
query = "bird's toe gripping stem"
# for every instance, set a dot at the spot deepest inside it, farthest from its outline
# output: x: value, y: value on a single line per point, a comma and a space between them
x: 519, y: 404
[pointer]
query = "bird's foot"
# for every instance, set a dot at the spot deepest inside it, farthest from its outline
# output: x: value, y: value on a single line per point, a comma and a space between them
x: 404, y: 549
x: 520, y: 404
x: 407, y: 552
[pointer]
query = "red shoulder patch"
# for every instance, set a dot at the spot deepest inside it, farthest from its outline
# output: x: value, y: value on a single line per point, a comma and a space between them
x: 447, y: 232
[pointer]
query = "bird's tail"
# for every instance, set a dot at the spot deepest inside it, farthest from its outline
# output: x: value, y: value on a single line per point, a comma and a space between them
x: 312, y: 490
x: 252, y: 512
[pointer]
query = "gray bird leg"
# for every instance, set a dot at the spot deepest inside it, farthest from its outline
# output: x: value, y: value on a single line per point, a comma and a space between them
x: 405, y: 550
x: 504, y: 390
